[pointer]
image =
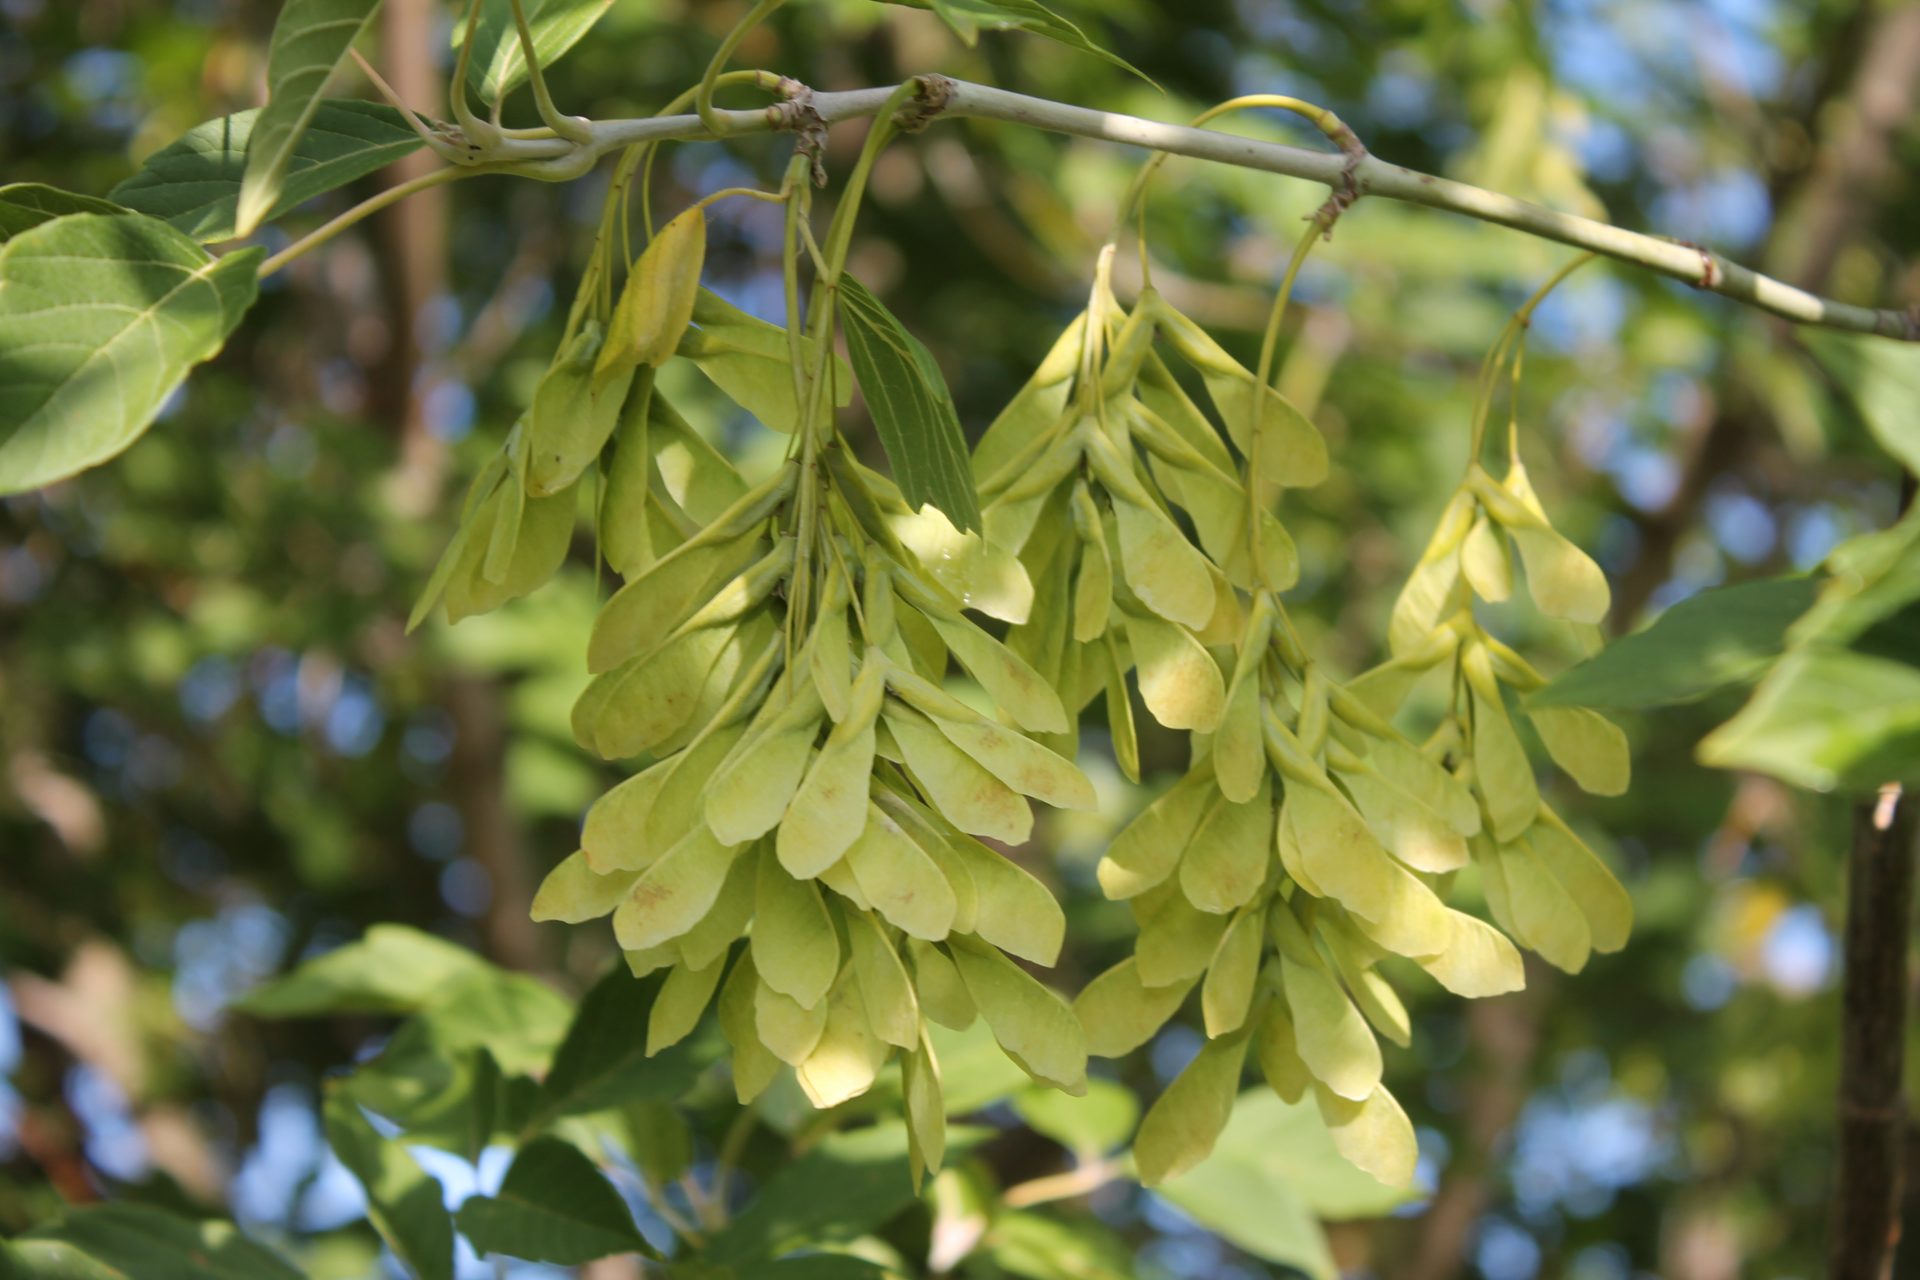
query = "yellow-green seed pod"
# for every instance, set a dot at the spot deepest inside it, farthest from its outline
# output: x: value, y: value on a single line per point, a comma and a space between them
x: 1119, y: 1013
x: 656, y: 305
x: 1032, y: 1024
x: 1181, y: 1127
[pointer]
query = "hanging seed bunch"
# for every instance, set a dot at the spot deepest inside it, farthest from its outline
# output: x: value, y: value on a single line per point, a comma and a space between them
x: 1311, y: 839
x: 1544, y: 885
x: 803, y: 843
x: 1081, y: 475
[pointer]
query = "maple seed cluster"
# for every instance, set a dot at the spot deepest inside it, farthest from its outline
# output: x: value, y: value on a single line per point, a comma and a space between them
x: 805, y: 844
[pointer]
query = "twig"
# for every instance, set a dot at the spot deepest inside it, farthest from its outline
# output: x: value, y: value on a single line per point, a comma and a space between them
x: 1084, y: 1180
x: 328, y: 231
x: 557, y: 159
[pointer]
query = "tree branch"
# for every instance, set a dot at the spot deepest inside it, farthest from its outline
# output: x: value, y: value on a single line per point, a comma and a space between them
x: 1350, y: 175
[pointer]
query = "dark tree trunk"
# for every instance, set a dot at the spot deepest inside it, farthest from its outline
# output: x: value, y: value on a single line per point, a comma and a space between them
x: 1873, y: 1028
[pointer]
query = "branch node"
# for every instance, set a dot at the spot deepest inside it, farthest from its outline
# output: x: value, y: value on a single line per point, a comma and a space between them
x: 931, y: 94
x: 796, y: 113
x: 1343, y: 197
x: 1711, y: 276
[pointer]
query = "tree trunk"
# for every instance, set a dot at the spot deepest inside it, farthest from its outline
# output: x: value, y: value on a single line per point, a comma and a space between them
x: 1866, y: 1217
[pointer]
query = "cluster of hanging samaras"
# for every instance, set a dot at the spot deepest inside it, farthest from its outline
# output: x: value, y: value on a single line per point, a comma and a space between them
x: 818, y: 796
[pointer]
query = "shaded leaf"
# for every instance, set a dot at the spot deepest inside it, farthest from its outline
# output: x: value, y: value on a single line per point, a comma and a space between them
x: 968, y: 17
x: 1727, y: 636
x: 603, y: 1060
x: 553, y: 1206
x: 911, y: 406
x: 194, y: 182
x: 841, y: 1189
x: 25, y: 205
x: 138, y: 1242
x: 406, y: 1206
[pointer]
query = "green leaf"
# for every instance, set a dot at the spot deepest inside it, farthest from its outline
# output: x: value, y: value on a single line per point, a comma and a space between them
x: 1829, y: 720
x: 1049, y: 1247
x: 518, y: 1018
x: 441, y: 1095
x: 838, y: 1191
x: 139, y: 1242
x: 826, y: 1265
x: 1882, y: 377
x: 194, y: 182
x: 393, y: 969
x: 1871, y: 603
x: 310, y: 40
x: 1092, y: 1124
x: 603, y: 1061
x: 101, y: 317
x: 1707, y: 642
x: 499, y: 67
x: 968, y: 17
x: 553, y: 1206
x: 25, y: 205
x: 911, y: 407
x: 1282, y: 1149
x: 1273, y: 1172
x: 406, y: 1206
x: 53, y: 1260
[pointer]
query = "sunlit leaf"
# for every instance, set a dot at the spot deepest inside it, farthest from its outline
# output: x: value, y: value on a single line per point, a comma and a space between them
x: 101, y: 318
x: 1829, y: 721
x: 310, y: 39
x: 499, y: 65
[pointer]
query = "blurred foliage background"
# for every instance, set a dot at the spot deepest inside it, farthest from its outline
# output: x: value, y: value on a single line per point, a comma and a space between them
x: 221, y: 754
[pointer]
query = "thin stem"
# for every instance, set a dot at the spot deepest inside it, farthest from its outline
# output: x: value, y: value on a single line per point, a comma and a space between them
x: 795, y: 186
x: 372, y: 205
x: 477, y: 130
x: 721, y: 56
x: 751, y: 193
x: 1263, y: 374
x: 728, y: 1156
x: 1134, y: 204
x: 702, y: 1204
x: 1084, y: 1180
x: 572, y: 128
x: 657, y: 1201
x: 757, y: 78
x: 840, y: 230
x: 437, y: 144
x: 1504, y: 347
x: 596, y: 282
